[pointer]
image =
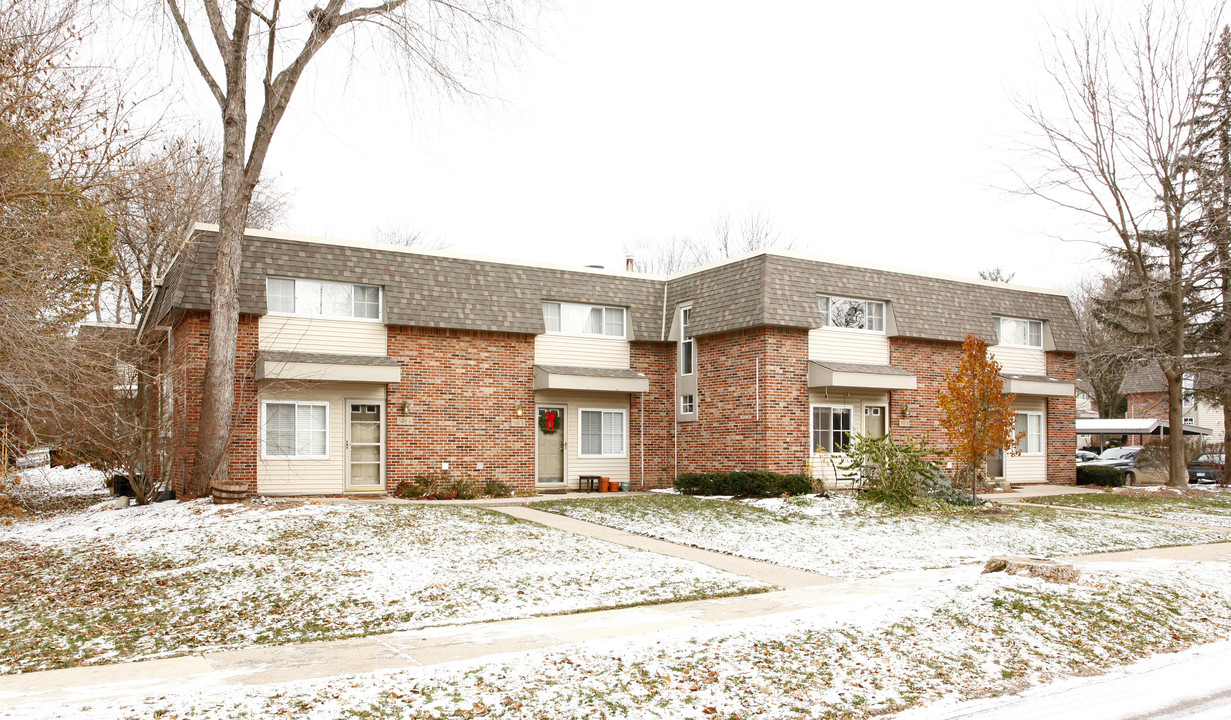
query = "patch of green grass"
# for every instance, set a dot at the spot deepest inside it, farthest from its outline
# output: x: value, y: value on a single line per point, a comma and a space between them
x: 287, y: 578
x: 1214, y: 509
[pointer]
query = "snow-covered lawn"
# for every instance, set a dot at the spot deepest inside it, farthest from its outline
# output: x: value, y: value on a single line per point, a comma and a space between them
x: 105, y: 585
x: 843, y: 537
x: 1207, y: 507
x: 971, y: 636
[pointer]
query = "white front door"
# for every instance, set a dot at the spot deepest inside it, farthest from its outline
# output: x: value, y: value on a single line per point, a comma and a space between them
x: 365, y: 432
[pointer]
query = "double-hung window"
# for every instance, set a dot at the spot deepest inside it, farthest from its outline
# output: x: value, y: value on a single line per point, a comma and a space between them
x: 1030, y: 433
x: 1188, y: 387
x: 1022, y: 333
x: 319, y: 298
x: 576, y: 319
x: 602, y: 433
x: 688, y: 404
x: 295, y: 430
x: 852, y: 314
x: 688, y: 347
x: 831, y: 428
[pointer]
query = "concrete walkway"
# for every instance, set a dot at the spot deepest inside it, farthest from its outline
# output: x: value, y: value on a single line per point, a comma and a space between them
x: 783, y: 577
x: 441, y: 644
x: 431, y: 646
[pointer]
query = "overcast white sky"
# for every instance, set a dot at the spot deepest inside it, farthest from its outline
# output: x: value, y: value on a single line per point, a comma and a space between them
x: 868, y: 132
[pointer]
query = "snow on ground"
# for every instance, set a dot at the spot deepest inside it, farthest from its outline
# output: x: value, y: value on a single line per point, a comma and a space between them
x: 1203, y: 506
x: 45, y: 490
x: 966, y: 635
x: 104, y: 585
x: 843, y: 537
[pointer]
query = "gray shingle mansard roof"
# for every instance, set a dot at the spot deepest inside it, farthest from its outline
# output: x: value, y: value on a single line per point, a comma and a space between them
x: 440, y: 291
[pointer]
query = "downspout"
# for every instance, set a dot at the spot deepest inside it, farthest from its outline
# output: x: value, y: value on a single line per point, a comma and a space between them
x: 675, y: 429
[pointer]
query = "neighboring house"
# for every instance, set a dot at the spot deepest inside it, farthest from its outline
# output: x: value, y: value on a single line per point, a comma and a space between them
x: 362, y: 365
x: 1145, y: 388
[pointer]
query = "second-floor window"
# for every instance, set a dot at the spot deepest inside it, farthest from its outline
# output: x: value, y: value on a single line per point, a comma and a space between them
x: 577, y: 319
x: 1188, y: 386
x: 318, y: 298
x: 688, y: 346
x: 853, y: 314
x: 1023, y: 333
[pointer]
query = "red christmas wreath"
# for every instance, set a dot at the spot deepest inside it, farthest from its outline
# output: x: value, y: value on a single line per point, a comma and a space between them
x: 549, y: 421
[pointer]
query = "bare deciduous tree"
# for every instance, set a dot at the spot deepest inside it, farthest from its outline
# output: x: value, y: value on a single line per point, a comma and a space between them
x: 997, y: 274
x: 1109, y: 352
x: 235, y: 45
x: 153, y: 208
x: 1113, y: 148
x: 65, y: 138
x: 724, y: 239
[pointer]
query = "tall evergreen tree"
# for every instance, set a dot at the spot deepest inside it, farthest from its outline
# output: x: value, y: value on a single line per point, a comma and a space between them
x: 1212, y: 159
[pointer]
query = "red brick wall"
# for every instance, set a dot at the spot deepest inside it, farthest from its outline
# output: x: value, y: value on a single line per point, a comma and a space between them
x: 930, y: 361
x: 657, y: 362
x: 1062, y: 422
x: 462, y: 389
x: 189, y: 339
x: 727, y: 434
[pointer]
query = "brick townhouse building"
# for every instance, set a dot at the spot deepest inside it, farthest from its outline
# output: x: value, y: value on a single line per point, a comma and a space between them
x: 362, y: 365
x: 1145, y: 390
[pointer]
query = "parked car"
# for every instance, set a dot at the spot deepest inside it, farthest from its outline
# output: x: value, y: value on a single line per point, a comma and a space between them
x: 1123, y: 458
x: 1085, y: 456
x: 1207, y: 468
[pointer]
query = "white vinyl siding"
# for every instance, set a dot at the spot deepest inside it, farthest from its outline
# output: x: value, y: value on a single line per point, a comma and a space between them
x: 295, y: 430
x: 595, y: 352
x: 1019, y: 360
x: 619, y: 469
x: 586, y: 320
x: 323, y: 476
x: 845, y: 346
x: 603, y: 433
x: 322, y: 335
x: 1030, y: 467
x: 319, y: 298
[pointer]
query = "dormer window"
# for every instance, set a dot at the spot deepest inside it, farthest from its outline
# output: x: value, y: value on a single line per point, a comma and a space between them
x: 576, y: 319
x: 851, y: 314
x: 1020, y: 333
x: 318, y: 298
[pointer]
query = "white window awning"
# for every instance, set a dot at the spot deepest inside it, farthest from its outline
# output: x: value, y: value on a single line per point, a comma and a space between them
x: 566, y: 377
x: 859, y: 375
x: 1037, y: 385
x: 327, y: 368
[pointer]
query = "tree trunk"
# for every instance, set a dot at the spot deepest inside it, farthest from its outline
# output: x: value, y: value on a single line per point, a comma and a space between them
x: 209, y: 471
x: 1177, y: 470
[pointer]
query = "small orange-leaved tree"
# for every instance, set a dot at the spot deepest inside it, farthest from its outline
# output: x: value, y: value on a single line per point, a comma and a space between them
x: 977, y: 414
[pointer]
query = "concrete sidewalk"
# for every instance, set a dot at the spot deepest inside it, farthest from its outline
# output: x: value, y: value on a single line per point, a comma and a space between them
x: 436, y: 645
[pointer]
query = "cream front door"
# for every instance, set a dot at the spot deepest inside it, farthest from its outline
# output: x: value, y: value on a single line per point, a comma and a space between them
x: 365, y: 421
x: 550, y: 445
x: 874, y: 421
